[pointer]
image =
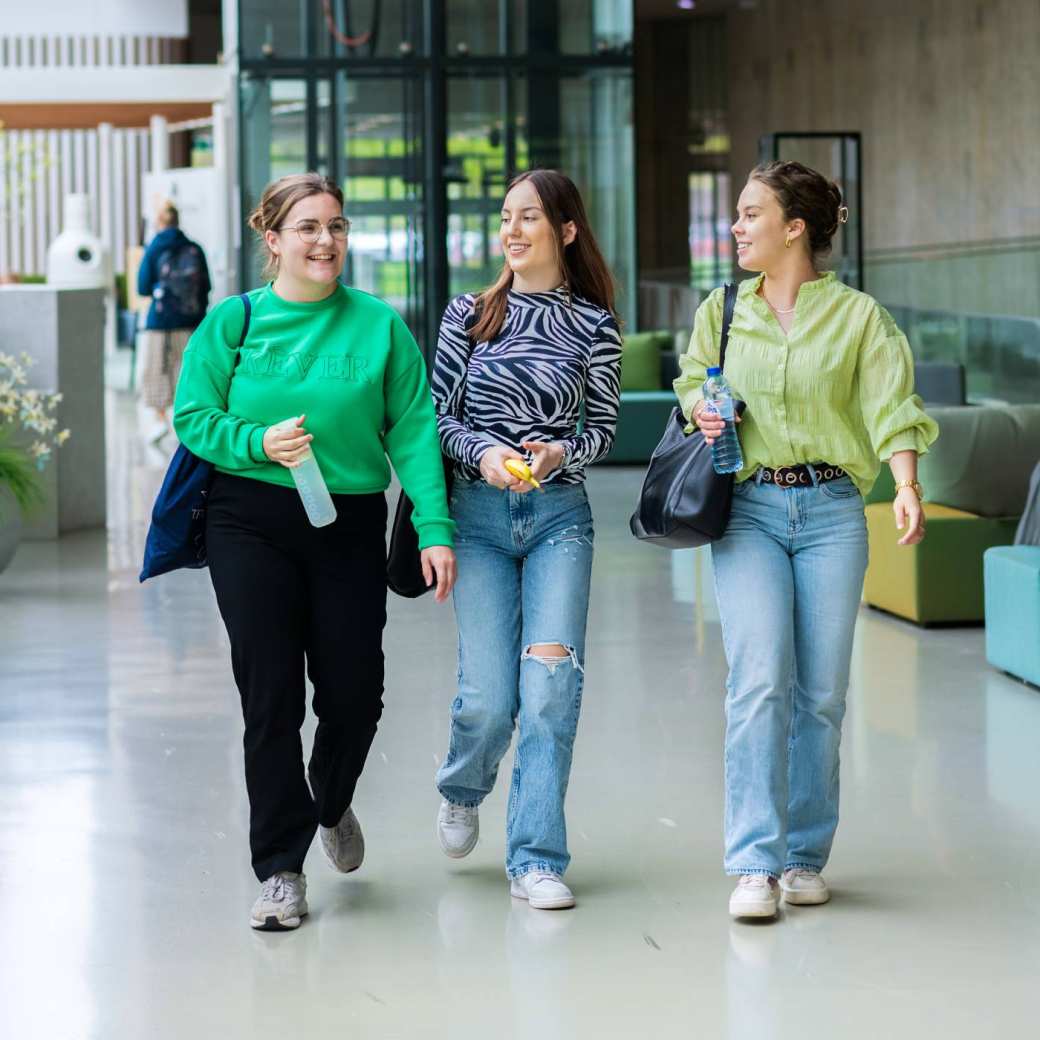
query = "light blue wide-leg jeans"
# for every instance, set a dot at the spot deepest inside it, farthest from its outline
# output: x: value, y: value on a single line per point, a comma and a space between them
x: 788, y: 576
x: 525, y: 563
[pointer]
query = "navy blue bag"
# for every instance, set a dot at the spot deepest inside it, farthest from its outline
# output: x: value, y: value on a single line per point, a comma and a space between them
x: 177, y: 535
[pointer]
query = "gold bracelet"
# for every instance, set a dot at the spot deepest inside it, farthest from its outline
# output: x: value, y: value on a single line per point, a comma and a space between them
x: 912, y: 484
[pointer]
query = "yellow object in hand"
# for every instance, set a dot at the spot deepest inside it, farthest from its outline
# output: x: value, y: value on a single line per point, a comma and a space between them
x: 521, y: 471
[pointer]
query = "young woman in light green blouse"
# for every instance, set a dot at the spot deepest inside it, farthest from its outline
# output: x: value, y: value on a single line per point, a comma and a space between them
x: 828, y: 382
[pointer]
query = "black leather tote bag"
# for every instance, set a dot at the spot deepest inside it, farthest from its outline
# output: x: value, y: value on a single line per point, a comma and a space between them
x: 684, y: 502
x: 403, y: 560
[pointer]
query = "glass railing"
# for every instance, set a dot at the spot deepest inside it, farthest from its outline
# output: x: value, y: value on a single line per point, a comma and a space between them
x: 979, y: 309
x: 1000, y: 353
x: 975, y: 304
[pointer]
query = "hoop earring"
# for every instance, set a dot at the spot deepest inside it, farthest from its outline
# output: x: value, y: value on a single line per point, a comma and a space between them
x: 787, y: 242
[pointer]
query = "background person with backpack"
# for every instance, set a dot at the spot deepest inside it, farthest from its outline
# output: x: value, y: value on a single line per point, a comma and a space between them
x: 174, y: 274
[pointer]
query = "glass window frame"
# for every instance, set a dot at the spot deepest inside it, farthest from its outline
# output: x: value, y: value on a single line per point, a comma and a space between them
x: 434, y: 66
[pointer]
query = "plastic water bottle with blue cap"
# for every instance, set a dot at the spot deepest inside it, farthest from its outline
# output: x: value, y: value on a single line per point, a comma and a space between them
x: 726, y: 455
x: 314, y: 493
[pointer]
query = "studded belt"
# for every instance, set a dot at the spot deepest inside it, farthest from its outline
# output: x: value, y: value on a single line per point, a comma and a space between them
x: 795, y: 476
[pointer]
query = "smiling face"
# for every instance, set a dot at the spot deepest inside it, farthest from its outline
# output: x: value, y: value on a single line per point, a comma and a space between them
x: 309, y: 269
x: 761, y: 230
x: 529, y: 240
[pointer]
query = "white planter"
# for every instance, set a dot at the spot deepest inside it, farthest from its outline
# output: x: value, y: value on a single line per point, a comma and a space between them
x: 10, y: 525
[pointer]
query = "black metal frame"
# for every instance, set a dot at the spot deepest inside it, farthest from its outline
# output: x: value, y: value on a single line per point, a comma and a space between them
x: 769, y: 149
x: 433, y: 69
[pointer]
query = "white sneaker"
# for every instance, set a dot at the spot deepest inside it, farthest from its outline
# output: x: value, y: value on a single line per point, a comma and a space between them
x: 756, y: 895
x: 458, y: 827
x: 803, y: 887
x: 344, y: 844
x: 282, y: 903
x: 154, y: 426
x: 542, y: 890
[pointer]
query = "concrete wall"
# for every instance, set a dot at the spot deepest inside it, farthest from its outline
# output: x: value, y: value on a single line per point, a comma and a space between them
x: 945, y: 93
x: 63, y: 330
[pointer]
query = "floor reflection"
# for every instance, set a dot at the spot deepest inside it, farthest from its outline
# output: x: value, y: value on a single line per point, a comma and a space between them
x: 127, y: 885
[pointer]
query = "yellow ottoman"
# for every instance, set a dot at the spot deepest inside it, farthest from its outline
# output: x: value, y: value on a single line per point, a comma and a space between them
x: 939, y: 580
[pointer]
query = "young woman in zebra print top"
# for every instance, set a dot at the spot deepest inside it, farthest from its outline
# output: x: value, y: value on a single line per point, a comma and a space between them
x: 529, y: 370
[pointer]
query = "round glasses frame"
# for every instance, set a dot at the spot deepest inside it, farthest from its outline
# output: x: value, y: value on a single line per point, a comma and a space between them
x: 310, y: 239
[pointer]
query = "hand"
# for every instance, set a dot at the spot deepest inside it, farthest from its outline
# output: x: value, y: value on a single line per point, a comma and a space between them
x: 439, y: 561
x: 909, y: 514
x: 710, y: 422
x: 287, y: 445
x: 546, y: 457
x: 495, y: 474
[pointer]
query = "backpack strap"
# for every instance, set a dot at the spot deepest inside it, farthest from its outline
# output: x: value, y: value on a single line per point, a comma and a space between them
x: 727, y: 320
x: 244, y: 297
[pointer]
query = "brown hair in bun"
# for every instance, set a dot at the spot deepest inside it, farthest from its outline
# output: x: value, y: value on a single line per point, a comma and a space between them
x: 805, y: 194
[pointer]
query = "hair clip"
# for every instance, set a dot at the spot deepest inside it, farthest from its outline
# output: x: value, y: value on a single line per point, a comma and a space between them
x: 843, y: 214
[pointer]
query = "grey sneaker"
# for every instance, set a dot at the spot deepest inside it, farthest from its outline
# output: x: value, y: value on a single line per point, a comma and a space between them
x: 458, y: 827
x: 344, y: 844
x: 282, y: 903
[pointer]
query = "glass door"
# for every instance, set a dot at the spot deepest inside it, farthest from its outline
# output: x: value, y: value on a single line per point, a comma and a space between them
x: 275, y: 142
x: 376, y: 130
x: 486, y: 146
x: 838, y: 156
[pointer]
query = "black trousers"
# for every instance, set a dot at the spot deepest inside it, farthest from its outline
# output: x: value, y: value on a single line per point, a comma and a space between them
x: 292, y: 594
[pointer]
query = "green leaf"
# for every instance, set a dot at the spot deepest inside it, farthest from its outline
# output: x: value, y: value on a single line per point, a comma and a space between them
x: 18, y: 473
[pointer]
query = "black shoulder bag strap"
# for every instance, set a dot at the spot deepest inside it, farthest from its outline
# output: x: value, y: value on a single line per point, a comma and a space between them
x: 727, y: 320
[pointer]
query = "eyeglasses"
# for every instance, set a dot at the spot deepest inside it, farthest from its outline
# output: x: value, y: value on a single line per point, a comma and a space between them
x: 310, y: 230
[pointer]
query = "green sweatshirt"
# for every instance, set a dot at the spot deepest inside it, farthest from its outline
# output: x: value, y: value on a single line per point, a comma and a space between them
x: 349, y: 364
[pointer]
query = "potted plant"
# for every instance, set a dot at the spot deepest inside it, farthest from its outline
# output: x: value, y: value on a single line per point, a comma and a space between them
x: 28, y: 436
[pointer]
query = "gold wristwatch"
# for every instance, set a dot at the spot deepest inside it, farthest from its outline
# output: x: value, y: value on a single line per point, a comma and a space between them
x: 918, y: 490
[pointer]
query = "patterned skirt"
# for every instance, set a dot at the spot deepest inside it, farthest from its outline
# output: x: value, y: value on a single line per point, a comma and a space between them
x: 159, y: 356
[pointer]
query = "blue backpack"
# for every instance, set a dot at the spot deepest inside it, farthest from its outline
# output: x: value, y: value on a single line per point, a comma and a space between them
x: 177, y: 535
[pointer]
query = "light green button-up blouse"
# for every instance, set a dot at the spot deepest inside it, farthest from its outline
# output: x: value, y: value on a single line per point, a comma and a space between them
x: 837, y: 388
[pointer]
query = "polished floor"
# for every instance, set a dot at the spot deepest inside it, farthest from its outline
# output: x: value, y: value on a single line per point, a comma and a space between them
x: 126, y: 884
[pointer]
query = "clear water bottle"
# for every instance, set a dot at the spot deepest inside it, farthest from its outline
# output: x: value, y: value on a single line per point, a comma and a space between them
x: 726, y: 455
x: 314, y: 493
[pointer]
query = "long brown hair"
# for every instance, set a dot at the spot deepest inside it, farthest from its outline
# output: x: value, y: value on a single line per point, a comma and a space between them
x: 585, y: 272
x: 278, y: 198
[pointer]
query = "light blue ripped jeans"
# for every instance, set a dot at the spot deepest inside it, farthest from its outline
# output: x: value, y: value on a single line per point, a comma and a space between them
x: 788, y: 576
x: 525, y: 562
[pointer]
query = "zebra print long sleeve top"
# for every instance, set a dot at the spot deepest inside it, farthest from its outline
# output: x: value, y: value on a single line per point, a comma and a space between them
x: 555, y: 357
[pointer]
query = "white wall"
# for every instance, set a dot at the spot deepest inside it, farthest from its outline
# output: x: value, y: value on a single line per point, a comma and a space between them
x: 38, y: 168
x: 97, y: 18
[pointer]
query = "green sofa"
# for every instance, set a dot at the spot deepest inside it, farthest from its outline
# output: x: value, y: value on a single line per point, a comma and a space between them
x: 647, y: 367
x: 975, y: 479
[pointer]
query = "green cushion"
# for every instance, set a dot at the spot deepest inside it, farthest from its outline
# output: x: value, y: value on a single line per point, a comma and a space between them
x: 983, y: 458
x: 641, y: 360
x: 641, y: 422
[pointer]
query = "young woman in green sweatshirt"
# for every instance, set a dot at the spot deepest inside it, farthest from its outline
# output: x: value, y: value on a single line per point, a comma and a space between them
x: 345, y: 366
